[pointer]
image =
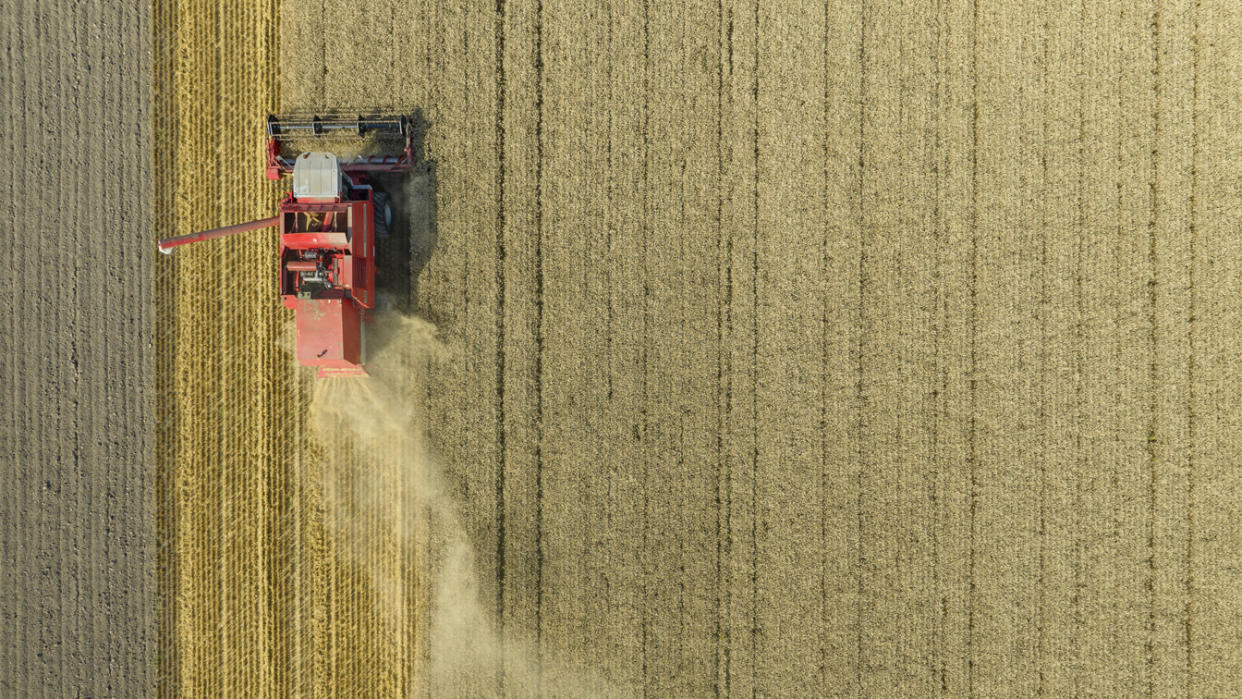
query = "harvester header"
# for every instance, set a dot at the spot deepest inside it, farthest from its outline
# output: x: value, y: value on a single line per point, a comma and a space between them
x: 376, y: 144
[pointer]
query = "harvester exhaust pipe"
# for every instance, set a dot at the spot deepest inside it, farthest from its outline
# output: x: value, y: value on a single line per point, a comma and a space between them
x: 167, y: 244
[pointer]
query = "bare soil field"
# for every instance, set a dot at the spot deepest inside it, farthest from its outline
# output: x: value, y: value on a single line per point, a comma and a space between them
x: 868, y: 349
x: 77, y: 579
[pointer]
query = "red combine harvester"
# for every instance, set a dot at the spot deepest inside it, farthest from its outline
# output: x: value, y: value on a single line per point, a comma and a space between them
x: 328, y: 225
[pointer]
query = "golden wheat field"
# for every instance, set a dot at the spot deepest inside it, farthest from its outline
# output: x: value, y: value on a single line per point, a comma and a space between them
x: 855, y: 348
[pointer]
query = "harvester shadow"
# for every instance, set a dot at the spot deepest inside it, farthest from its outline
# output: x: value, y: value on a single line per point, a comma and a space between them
x: 404, y: 254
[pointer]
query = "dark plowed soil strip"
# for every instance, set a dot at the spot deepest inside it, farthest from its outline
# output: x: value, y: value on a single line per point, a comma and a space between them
x: 76, y: 524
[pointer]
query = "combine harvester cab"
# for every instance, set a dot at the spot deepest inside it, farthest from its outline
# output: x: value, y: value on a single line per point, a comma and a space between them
x: 328, y: 224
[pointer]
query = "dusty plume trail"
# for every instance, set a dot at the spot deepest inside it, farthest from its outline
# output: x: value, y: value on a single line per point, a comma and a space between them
x: 387, y: 507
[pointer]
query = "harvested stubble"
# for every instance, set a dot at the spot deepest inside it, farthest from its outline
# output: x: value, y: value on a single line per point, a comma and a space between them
x: 225, y: 396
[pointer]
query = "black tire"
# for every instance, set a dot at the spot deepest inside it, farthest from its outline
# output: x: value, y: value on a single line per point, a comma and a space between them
x: 383, y: 214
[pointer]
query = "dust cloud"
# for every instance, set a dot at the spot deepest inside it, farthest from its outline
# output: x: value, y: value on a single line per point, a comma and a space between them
x: 387, y: 508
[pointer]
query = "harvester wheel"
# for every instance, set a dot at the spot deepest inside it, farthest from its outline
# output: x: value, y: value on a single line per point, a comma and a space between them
x: 383, y: 214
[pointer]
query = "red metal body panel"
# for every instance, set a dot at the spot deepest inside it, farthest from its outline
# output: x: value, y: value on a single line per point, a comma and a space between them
x: 329, y: 333
x: 332, y: 244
